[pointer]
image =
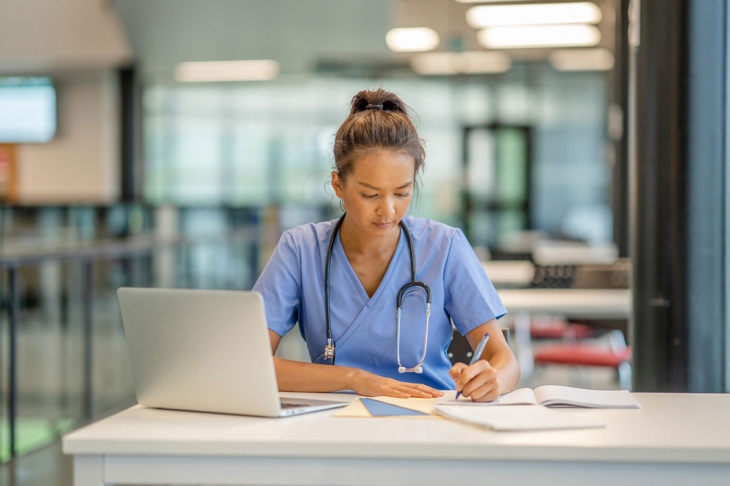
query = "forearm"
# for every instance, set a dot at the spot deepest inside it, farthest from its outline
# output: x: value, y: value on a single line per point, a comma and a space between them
x: 297, y: 376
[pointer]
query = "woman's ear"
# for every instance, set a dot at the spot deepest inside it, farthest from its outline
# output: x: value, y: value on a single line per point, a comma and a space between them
x: 337, y: 184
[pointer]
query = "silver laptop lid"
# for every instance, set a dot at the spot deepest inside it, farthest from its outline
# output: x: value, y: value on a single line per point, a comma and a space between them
x: 203, y: 350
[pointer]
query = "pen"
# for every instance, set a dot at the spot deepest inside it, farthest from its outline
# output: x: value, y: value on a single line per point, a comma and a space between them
x: 477, y: 354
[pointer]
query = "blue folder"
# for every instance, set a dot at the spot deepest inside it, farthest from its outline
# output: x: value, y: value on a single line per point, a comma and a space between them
x: 382, y: 409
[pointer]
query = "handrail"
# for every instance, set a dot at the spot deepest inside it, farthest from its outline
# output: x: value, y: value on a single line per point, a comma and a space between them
x: 104, y: 249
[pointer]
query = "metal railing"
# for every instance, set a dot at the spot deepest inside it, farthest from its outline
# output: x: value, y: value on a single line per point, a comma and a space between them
x: 87, y: 254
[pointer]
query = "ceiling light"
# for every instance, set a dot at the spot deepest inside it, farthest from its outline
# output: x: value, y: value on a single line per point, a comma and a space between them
x: 258, y: 70
x: 539, y: 36
x: 445, y: 63
x: 582, y: 59
x: 534, y: 14
x: 412, y: 39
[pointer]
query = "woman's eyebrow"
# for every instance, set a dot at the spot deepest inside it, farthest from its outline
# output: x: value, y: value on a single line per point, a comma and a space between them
x: 377, y: 188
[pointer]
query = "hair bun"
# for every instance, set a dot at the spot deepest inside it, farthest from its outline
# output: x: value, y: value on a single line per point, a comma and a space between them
x: 378, y: 99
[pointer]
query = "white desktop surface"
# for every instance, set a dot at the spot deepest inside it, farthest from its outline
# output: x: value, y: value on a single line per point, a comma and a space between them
x: 574, y: 303
x: 674, y: 439
x: 509, y: 273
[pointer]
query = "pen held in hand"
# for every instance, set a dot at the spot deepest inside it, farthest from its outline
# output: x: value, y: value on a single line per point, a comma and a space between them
x: 477, y: 354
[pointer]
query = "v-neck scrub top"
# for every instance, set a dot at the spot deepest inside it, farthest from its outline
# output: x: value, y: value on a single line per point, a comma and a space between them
x: 363, y: 327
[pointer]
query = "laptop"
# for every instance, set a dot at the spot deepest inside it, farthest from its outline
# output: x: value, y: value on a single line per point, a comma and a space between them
x: 205, y: 351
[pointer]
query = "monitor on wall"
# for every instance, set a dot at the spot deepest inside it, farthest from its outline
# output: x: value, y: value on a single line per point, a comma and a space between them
x: 27, y: 110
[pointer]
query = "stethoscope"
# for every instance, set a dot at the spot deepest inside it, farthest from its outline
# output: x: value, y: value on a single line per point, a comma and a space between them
x: 329, y: 349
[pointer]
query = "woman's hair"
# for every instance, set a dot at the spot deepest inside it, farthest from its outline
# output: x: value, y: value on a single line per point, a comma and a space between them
x: 378, y: 120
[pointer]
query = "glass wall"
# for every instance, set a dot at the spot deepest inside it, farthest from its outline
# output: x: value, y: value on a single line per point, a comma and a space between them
x: 270, y: 145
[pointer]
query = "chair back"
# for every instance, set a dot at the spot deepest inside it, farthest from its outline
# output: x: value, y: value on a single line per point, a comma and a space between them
x: 460, y: 351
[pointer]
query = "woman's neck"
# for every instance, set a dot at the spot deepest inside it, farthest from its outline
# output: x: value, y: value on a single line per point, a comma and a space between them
x: 355, y: 243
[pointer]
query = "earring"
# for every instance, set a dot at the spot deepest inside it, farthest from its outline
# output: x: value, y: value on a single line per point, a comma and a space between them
x: 342, y: 205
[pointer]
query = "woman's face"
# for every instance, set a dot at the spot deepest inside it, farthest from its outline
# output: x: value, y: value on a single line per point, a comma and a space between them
x: 377, y: 192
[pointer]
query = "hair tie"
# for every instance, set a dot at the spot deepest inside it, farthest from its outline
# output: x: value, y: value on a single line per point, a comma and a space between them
x: 374, y: 107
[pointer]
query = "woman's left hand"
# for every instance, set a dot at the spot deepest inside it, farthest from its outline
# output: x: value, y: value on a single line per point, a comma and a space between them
x: 479, y: 381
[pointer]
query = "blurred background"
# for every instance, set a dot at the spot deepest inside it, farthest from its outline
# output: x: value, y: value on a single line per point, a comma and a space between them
x: 580, y: 145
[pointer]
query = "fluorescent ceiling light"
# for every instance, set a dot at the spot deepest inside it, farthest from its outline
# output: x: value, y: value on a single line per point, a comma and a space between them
x: 492, y: 1
x: 412, y: 39
x: 445, y: 63
x: 259, y: 70
x: 539, y: 36
x: 534, y: 14
x: 582, y: 59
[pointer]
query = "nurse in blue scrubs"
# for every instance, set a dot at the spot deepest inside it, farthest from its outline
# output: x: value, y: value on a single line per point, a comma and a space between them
x: 356, y: 340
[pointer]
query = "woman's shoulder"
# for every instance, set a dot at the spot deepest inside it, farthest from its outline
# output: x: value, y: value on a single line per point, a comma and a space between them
x: 311, y: 235
x: 424, y: 228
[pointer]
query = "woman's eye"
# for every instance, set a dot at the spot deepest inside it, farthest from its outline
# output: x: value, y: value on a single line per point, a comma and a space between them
x: 404, y: 195
x: 370, y: 196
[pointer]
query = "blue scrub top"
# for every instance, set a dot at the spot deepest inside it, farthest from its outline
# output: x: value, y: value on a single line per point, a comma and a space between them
x: 364, y: 328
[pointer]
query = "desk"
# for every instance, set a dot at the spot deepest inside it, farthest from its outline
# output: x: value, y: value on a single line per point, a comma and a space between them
x: 674, y: 440
x: 509, y: 273
x: 571, y: 303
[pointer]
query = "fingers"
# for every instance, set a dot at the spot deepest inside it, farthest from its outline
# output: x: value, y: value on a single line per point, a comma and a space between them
x: 487, y: 392
x: 478, y: 381
x: 373, y: 386
x: 420, y: 391
x: 456, y: 370
x: 396, y: 394
x: 428, y: 390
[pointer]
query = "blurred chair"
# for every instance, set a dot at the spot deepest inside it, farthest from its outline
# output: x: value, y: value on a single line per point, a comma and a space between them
x: 616, y: 356
x: 497, y: 254
x: 459, y: 350
x: 615, y: 275
x: 576, y: 346
x: 553, y: 276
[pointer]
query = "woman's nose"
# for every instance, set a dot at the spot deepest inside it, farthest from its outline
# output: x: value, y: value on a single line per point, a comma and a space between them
x: 387, y: 208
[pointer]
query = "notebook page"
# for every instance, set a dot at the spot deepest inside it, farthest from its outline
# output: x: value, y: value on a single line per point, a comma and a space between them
x: 522, y: 396
x: 528, y: 417
x: 556, y: 396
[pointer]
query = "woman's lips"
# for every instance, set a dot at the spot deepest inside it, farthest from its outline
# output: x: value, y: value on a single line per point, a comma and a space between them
x: 382, y: 225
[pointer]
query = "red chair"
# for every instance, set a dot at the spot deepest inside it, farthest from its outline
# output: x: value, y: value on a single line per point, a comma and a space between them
x: 559, y: 328
x: 617, y: 356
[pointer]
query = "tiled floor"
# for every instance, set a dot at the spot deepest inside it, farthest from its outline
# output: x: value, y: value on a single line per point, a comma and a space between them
x: 46, y: 467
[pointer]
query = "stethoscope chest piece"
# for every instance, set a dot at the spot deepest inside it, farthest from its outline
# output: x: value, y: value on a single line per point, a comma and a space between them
x: 329, y: 351
x: 417, y: 369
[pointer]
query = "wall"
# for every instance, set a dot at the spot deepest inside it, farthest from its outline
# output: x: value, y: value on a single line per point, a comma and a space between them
x: 79, y: 44
x: 81, y: 164
x: 42, y: 35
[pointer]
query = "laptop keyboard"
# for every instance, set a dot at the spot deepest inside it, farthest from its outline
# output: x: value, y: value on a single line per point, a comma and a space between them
x: 293, y: 405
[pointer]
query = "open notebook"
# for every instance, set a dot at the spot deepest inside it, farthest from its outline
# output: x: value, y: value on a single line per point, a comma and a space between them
x: 524, y: 418
x: 555, y: 396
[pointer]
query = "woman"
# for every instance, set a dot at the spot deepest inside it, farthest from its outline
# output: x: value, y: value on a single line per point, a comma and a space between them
x: 370, y: 253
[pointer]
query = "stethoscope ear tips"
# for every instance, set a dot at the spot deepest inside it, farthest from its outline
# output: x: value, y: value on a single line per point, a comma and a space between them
x: 418, y: 370
x: 401, y: 369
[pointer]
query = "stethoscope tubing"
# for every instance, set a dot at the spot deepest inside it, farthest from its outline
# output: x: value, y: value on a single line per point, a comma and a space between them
x: 414, y: 284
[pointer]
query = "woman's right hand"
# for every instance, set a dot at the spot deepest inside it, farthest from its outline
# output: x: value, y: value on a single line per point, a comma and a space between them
x: 371, y: 385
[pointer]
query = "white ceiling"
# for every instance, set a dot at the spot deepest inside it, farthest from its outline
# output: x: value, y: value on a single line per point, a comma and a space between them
x: 344, y: 36
x: 302, y: 35
x: 296, y: 33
